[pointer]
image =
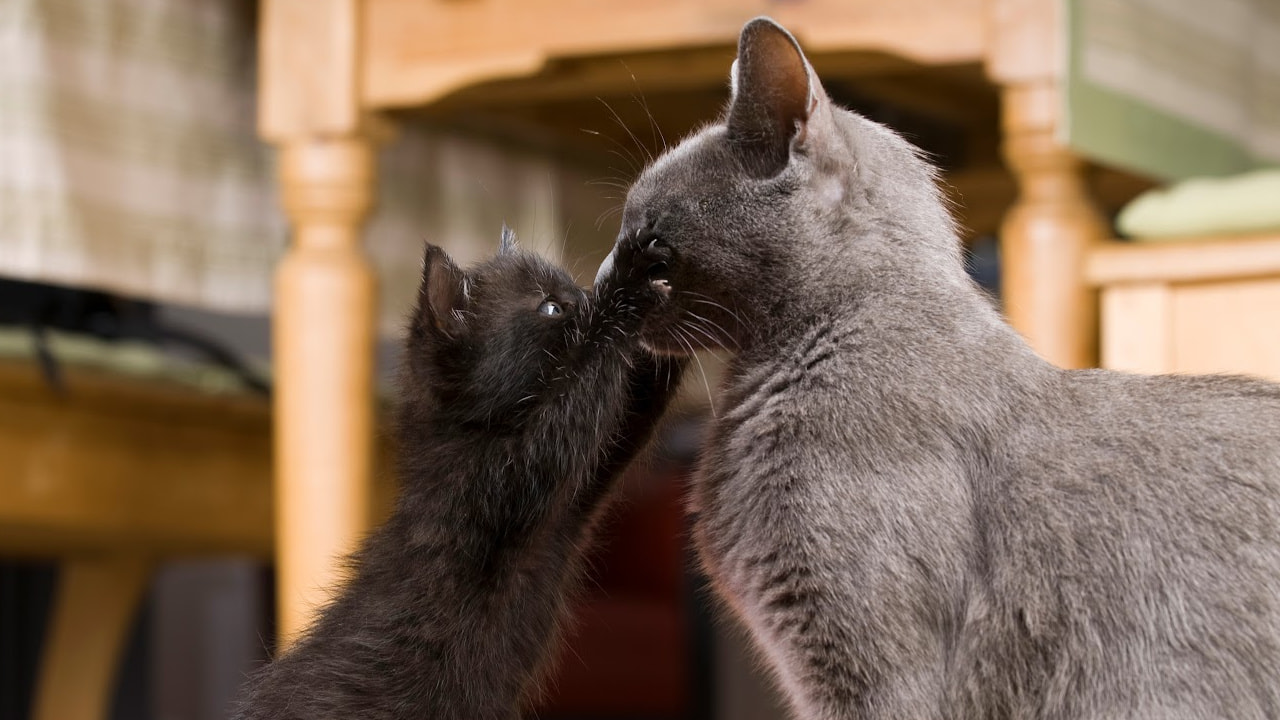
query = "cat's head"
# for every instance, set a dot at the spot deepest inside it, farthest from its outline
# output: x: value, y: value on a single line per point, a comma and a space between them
x: 485, y: 340
x: 784, y: 199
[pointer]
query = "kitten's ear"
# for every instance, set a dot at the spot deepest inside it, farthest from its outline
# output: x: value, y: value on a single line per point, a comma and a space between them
x: 775, y: 95
x: 507, y: 245
x: 444, y: 295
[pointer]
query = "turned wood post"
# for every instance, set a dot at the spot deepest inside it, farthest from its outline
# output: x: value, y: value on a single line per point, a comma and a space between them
x: 1047, y: 232
x: 323, y: 348
x: 324, y: 326
x: 1053, y: 223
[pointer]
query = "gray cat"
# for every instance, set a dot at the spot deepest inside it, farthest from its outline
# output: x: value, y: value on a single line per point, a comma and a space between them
x: 915, y: 515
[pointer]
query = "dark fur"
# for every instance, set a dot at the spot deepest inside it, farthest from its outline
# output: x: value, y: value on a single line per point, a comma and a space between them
x: 915, y: 515
x: 512, y: 430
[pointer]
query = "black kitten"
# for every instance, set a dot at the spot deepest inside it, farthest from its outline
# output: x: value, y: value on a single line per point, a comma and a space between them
x: 524, y: 399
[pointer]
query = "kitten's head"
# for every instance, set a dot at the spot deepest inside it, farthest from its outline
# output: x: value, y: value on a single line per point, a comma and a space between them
x: 786, y: 198
x: 484, y: 341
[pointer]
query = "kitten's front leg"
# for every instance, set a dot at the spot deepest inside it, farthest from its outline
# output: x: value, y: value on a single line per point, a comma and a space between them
x: 619, y: 390
x: 651, y: 383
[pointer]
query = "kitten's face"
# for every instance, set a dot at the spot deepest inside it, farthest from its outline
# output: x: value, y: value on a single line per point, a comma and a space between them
x: 738, y: 216
x: 487, y: 340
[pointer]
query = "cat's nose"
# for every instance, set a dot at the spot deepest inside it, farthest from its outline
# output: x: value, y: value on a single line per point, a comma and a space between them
x: 605, y: 267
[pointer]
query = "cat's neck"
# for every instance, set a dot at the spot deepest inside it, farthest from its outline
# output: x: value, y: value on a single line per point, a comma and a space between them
x: 920, y: 305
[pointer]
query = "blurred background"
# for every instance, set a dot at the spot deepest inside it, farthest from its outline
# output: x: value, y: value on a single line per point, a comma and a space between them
x: 1111, y: 162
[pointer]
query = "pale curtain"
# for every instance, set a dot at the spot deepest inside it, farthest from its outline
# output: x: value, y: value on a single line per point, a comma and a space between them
x: 128, y: 162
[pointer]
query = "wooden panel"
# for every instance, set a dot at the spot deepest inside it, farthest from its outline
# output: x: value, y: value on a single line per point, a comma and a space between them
x: 307, y: 65
x: 418, y: 51
x: 1137, y: 328
x: 1228, y: 327
x: 121, y: 465
x: 130, y: 465
x: 1185, y: 260
x: 1025, y: 40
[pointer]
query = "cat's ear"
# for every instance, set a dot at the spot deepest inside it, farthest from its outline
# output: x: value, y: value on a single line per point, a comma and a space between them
x: 507, y: 245
x: 776, y: 95
x: 444, y: 296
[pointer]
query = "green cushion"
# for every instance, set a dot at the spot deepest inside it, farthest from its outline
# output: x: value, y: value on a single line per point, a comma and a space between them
x: 1248, y: 203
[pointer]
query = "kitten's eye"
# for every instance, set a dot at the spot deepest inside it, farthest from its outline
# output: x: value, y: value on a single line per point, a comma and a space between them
x: 549, y: 307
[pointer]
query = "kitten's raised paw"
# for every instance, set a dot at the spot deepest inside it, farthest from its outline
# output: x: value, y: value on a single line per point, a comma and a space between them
x: 656, y: 257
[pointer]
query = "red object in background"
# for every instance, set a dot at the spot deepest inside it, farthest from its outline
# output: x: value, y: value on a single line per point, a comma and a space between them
x: 630, y: 651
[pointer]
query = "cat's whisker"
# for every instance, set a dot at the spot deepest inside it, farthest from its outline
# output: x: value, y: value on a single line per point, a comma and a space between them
x: 616, y: 210
x: 639, y: 98
x: 618, y: 177
x: 609, y: 183
x: 618, y: 119
x: 706, y: 384
x: 690, y: 326
x: 706, y: 300
x: 727, y: 336
x: 564, y: 239
x: 632, y: 162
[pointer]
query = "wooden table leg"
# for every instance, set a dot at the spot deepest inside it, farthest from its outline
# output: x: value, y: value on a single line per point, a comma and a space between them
x: 1047, y: 232
x: 323, y: 335
x: 325, y: 321
x: 94, y: 607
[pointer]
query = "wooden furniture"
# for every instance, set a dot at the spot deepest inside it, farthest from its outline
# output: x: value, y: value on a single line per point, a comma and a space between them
x: 1196, y: 306
x: 332, y: 70
x: 110, y: 479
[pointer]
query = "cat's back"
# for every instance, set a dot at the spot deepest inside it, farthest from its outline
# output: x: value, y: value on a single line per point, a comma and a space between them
x: 1132, y: 524
x: 1177, y: 429
x: 1180, y: 471
x: 1170, y: 469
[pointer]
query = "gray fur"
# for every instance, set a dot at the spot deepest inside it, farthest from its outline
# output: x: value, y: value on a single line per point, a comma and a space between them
x: 915, y: 515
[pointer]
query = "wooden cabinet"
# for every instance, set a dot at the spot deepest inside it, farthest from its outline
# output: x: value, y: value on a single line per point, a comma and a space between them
x: 1203, y: 306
